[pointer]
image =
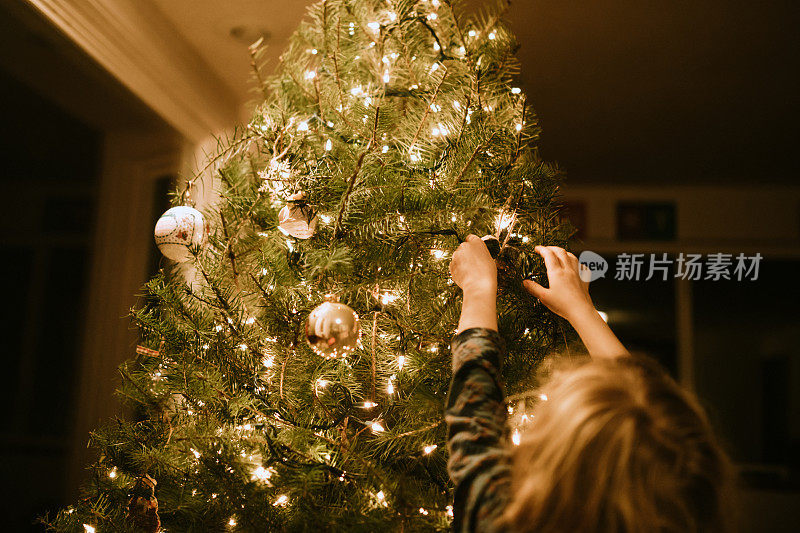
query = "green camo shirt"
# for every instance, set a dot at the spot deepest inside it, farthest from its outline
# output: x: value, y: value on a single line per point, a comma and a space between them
x: 479, y: 463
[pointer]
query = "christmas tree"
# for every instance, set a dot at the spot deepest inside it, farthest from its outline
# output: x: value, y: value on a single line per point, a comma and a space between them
x: 389, y: 132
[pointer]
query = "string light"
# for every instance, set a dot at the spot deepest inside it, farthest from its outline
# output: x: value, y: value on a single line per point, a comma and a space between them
x: 385, y: 149
x: 518, y: 126
x: 268, y: 361
x: 401, y: 362
x: 376, y: 427
x: 492, y: 36
x: 515, y: 437
x: 303, y: 126
x: 314, y: 51
x: 385, y: 76
x: 449, y: 511
x: 311, y: 74
x: 89, y: 529
x: 282, y: 500
x: 543, y: 397
x: 427, y: 450
x: 250, y: 321
x: 374, y: 26
x: 423, y: 511
x: 516, y: 90
x: 196, y: 453
x: 243, y: 347
x: 112, y: 473
x: 325, y: 218
x: 392, y: 16
x: 232, y: 522
x: 262, y: 474
x: 390, y: 386
x: 369, y: 405
x: 472, y: 33
x: 439, y: 254
x: 328, y: 145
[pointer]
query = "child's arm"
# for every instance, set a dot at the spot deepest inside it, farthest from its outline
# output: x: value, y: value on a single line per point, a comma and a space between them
x: 474, y: 270
x: 568, y: 296
x: 475, y: 412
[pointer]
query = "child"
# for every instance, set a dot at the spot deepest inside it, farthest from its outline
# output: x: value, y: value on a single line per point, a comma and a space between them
x: 617, y: 447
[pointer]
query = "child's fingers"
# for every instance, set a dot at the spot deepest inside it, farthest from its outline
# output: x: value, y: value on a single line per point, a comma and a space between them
x: 550, y: 259
x: 534, y: 288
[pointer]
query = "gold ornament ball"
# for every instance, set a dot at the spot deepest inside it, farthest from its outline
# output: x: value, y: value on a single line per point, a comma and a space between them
x: 333, y: 329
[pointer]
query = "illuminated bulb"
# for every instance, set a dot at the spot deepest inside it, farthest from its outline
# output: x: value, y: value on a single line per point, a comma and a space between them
x: 322, y: 383
x: 392, y: 16
x: 435, y: 3
x: 412, y: 87
x: 472, y: 33
x: 374, y: 26
x: 492, y: 36
x: 367, y: 100
x: 429, y: 448
x: 355, y: 91
x: 232, y: 522
x: 262, y: 474
x: 314, y: 51
x: 243, y: 347
x: 415, y: 158
x: 88, y: 529
x: 325, y: 218
x: 112, y: 473
x: 386, y: 76
x: 525, y: 239
x: 303, y: 126
x: 385, y: 149
x: 381, y: 496
x: 436, y: 46
x: 435, y: 131
x: 370, y: 405
x: 289, y: 245
x: 543, y: 397
x: 438, y: 254
x: 456, y: 105
x: 434, y: 67
x: 388, y: 297
x: 449, y: 511
x: 436, y: 108
x: 251, y: 320
x: 401, y: 361
x: 423, y: 511
x: 390, y: 388
x: 504, y: 220
x: 516, y: 90
x: 462, y: 50
x: 218, y: 327
x: 515, y: 437
x: 282, y: 500
x: 196, y: 453
x: 311, y: 74
x: 376, y: 427
x: 518, y: 127
x: 330, y: 123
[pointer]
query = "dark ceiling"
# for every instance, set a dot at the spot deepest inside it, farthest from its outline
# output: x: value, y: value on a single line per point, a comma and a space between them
x: 664, y: 91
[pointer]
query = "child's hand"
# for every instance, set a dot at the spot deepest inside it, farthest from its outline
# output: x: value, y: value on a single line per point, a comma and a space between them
x: 568, y: 295
x: 472, y: 267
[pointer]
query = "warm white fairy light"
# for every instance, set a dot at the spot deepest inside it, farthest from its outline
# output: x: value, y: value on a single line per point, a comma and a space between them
x: 311, y: 74
x: 386, y: 76
x: 401, y: 362
x: 390, y: 387
x: 385, y: 149
x: 262, y: 474
x: 232, y: 522
x: 374, y: 26
x: 392, y: 16
x: 369, y: 405
x: 436, y: 108
x: 436, y: 46
x: 376, y: 427
x: 518, y: 126
x: 325, y: 218
x: 423, y: 511
x: 516, y: 90
x: 281, y: 501
x: 195, y: 453
x: 243, y: 347
x: 250, y: 321
x: 314, y: 51
x: 112, y: 473
x: 472, y: 33
x: 492, y: 36
x: 516, y: 437
x: 427, y: 450
x: 218, y: 327
x: 435, y: 131
x: 389, y: 297
x: 449, y: 511
x: 355, y: 91
x: 543, y: 397
x: 525, y: 239
x: 321, y: 383
x: 438, y: 254
x: 328, y: 145
x: 88, y: 529
x: 303, y: 126
x: 504, y: 220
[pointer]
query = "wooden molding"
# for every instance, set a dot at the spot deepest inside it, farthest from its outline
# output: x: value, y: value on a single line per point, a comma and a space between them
x: 140, y: 48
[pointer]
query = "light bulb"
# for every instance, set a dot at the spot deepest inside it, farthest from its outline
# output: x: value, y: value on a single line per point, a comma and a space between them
x: 516, y: 90
x: 376, y: 427
x: 427, y: 450
x: 282, y: 500
x: 515, y: 437
x: 328, y: 145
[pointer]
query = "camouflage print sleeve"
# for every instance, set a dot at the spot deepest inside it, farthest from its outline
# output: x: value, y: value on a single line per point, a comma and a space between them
x: 475, y: 416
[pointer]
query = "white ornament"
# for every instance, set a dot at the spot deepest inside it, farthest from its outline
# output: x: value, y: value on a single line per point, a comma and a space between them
x: 297, y: 218
x: 179, y: 229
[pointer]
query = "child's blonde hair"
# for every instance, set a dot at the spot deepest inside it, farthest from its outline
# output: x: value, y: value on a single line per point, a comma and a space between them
x: 619, y: 446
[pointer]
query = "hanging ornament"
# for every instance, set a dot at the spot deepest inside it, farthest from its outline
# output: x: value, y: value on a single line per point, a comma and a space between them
x: 143, y: 505
x: 297, y: 218
x: 178, y: 229
x: 333, y: 329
